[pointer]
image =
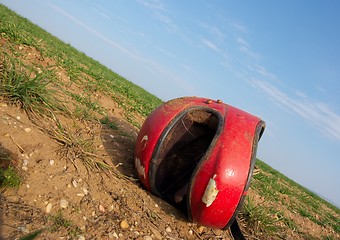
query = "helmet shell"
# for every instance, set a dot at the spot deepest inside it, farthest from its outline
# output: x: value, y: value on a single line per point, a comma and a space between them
x: 200, y: 150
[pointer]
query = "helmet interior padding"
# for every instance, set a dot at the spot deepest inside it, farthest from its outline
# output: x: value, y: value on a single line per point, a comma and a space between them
x: 183, y: 146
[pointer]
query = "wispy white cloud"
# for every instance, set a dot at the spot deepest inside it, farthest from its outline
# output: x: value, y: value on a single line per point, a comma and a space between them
x: 242, y: 42
x: 320, y: 89
x: 165, y: 52
x: 216, y: 31
x: 153, y: 5
x: 239, y: 26
x: 98, y: 9
x: 161, y: 13
x: 319, y: 114
x: 209, y: 44
x: 249, y: 53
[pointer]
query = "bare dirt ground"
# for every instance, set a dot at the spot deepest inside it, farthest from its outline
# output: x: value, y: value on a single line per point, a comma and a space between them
x: 89, y: 204
x: 67, y: 199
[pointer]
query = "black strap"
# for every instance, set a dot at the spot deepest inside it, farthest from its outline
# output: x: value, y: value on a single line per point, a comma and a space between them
x: 236, y: 231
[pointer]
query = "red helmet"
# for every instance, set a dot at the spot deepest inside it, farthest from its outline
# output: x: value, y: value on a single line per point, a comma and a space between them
x: 199, y: 155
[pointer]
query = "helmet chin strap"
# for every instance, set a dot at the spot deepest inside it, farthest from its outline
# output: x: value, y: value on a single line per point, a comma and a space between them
x: 236, y: 231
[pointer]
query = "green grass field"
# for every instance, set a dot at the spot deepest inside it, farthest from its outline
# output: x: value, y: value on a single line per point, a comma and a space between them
x: 275, y: 206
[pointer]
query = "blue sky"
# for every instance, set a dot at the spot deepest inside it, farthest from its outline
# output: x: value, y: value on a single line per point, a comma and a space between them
x: 277, y: 60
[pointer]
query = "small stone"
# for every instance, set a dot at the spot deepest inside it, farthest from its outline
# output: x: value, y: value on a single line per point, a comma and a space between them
x: 113, y: 235
x: 147, y: 238
x: 6, y: 135
x: 24, y: 168
x: 101, y: 208
x: 75, y: 183
x: 3, y: 105
x: 156, y: 233
x: 25, y: 162
x: 80, y: 194
x: 85, y: 191
x: 190, y: 232
x: 168, y: 229
x: 124, y: 224
x: 23, y: 229
x: 200, y: 229
x: 84, y: 218
x: 51, y: 162
x: 27, y: 185
x: 63, y: 203
x: 18, y: 117
x: 81, y: 237
x: 27, y: 130
x: 48, y: 208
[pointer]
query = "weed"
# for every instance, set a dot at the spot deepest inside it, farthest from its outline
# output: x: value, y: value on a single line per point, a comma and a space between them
x: 258, y: 218
x: 32, y: 236
x: 106, y: 121
x: 19, y: 88
x: 9, y: 178
x: 58, y: 222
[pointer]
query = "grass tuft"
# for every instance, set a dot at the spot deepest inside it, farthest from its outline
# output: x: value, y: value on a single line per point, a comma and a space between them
x: 259, y: 219
x: 24, y: 87
x: 9, y: 176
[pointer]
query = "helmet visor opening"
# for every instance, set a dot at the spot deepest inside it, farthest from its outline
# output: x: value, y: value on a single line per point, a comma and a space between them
x: 182, y: 148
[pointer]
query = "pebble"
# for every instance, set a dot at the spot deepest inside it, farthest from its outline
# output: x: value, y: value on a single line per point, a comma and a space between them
x: 81, y: 237
x: 147, y: 238
x: 113, y: 235
x: 27, y: 130
x: 48, y: 208
x: 124, y: 224
x: 51, y: 162
x: 18, y: 117
x: 156, y: 233
x: 190, y: 232
x: 168, y: 229
x: 63, y: 203
x: 23, y: 229
x: 101, y: 208
x: 75, y: 183
x: 85, y: 191
x: 200, y: 229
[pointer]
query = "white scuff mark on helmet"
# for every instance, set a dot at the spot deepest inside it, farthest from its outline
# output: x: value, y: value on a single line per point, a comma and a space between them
x: 145, y: 138
x: 211, y: 192
x: 140, y: 167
